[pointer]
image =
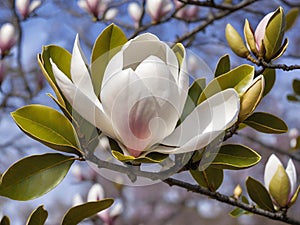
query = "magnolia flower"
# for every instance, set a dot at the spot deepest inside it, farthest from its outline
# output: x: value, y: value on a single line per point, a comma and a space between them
x: 280, y: 182
x: 135, y: 11
x: 8, y: 38
x: 108, y: 215
x: 157, y: 9
x: 188, y: 12
x: 143, y: 93
x: 260, y: 30
x: 111, y: 14
x: 26, y: 7
x: 94, y: 7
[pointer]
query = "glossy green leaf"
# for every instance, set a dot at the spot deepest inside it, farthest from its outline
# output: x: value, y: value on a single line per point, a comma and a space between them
x: 223, y: 65
x: 280, y: 187
x: 294, y: 197
x: 47, y: 126
x: 153, y: 157
x: 193, y: 95
x: 5, y: 221
x: 210, y: 178
x: 238, y: 211
x: 235, y: 157
x: 274, y: 34
x: 270, y: 77
x: 108, y: 43
x: 281, y: 50
x: 266, y: 123
x: 238, y: 78
x: 249, y: 37
x: 251, y: 98
x: 34, y: 176
x: 86, y: 210
x: 291, y: 17
x: 235, y: 42
x: 296, y: 86
x: 62, y: 58
x: 38, y: 216
x: 259, y: 194
x: 179, y: 51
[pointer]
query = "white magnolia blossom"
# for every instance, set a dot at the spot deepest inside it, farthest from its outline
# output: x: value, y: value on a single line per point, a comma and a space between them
x: 135, y: 11
x: 26, y: 7
x: 272, y: 171
x: 143, y: 93
x: 260, y: 30
x: 111, y: 13
x: 8, y: 38
x: 189, y: 12
x: 94, y: 7
x: 157, y: 9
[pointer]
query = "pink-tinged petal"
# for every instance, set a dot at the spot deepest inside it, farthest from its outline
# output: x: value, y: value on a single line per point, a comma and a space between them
x: 89, y: 108
x: 270, y: 169
x: 7, y: 37
x: 139, y: 118
x: 77, y: 200
x: 153, y: 8
x: 83, y: 4
x: 23, y: 6
x: 206, y: 122
x: 260, y: 30
x: 292, y: 174
x: 96, y: 193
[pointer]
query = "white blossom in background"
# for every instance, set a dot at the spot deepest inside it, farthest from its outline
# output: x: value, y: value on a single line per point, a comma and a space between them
x: 94, y: 7
x: 111, y: 14
x: 143, y: 93
x: 280, y: 182
x: 293, y: 135
x: 8, y: 38
x: 189, y: 12
x: 135, y: 11
x: 26, y: 7
x: 157, y: 9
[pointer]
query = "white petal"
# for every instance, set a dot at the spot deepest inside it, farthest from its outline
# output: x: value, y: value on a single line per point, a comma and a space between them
x: 111, y: 13
x: 139, y: 118
x: 83, y: 4
x: 96, y: 193
x: 77, y: 200
x: 206, y: 122
x: 292, y: 174
x: 153, y: 8
x: 79, y: 72
x: 135, y: 11
x: 270, y: 169
x: 89, y: 108
x: 7, y: 35
x: 34, y: 5
x: 116, y: 209
x: 22, y: 6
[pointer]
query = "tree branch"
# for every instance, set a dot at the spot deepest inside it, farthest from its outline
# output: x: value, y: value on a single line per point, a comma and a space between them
x: 280, y: 216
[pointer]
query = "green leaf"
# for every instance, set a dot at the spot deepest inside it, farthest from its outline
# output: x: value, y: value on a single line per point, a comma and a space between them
x: 259, y: 194
x: 274, y: 34
x: 153, y: 157
x: 47, y: 126
x: 34, y: 176
x: 38, y: 216
x: 194, y: 92
x: 62, y: 58
x: 108, y: 43
x: 266, y: 123
x: 5, y: 221
x: 235, y: 157
x: 281, y: 50
x: 237, y: 212
x: 179, y: 51
x: 210, y: 178
x: 280, y: 187
x: 223, y: 65
x: 238, y: 78
x: 294, y: 197
x: 292, y: 98
x: 290, y: 18
x: 86, y: 210
x: 270, y: 77
x: 249, y: 37
x: 296, y: 86
x: 235, y: 42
